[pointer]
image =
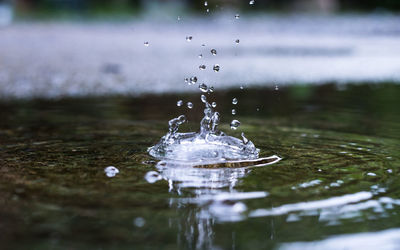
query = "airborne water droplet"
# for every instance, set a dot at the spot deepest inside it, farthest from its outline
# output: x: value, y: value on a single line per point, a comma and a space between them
x: 111, y: 171
x: 179, y: 18
x: 241, y: 87
x: 203, y: 98
x: 211, y: 89
x: 205, y: 3
x: 201, y: 55
x: 146, y: 44
x: 214, y: 52
x: 189, y: 105
x: 179, y: 103
x: 237, y: 41
x: 276, y: 87
x: 233, y: 111
x: 251, y: 2
x: 203, y: 87
x: 234, y: 101
x: 208, y: 10
x: 216, y: 68
x: 187, y: 81
x: 202, y: 67
x: 193, y: 80
x: 237, y: 16
x: 189, y: 38
x: 235, y: 124
x: 214, y: 104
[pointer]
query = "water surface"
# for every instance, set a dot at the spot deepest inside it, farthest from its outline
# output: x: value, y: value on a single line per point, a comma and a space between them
x: 337, y: 183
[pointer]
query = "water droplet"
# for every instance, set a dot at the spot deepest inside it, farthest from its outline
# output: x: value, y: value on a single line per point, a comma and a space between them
x: 235, y: 124
x: 214, y: 52
x: 252, y: 2
x: 152, y: 177
x: 146, y: 44
x: 139, y: 222
x: 203, y: 45
x: 189, y: 38
x: 203, y: 87
x: 203, y: 98
x: 205, y: 3
x: 214, y: 104
x: 237, y: 41
x: 202, y: 67
x: 179, y: 18
x: 189, y: 105
x: 187, y: 81
x: 111, y: 171
x: 210, y: 89
x: 258, y: 109
x: 276, y: 87
x: 193, y: 80
x: 201, y: 56
x: 179, y: 103
x: 233, y: 111
x: 216, y: 68
x: 241, y: 87
x: 237, y: 16
x: 208, y: 10
x: 234, y: 101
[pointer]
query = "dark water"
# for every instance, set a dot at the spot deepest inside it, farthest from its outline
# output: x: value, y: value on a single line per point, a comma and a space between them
x: 339, y: 174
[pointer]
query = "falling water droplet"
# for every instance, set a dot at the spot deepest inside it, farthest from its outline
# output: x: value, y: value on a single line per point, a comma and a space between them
x: 187, y: 81
x: 234, y: 101
x: 214, y: 52
x: 189, y: 105
x: 146, y: 44
x: 202, y: 67
x: 203, y: 87
x: 201, y: 55
x: 233, y: 111
x: 203, y: 98
x: 241, y: 87
x: 214, y: 104
x: 152, y: 177
x: 193, y: 80
x: 179, y: 18
x: 237, y: 41
x: 276, y: 87
x: 179, y: 103
x: 205, y: 3
x: 111, y: 171
x: 252, y: 2
x: 257, y: 109
x: 189, y: 38
x: 235, y: 124
x: 216, y: 68
x: 208, y: 10
x: 211, y: 89
x: 203, y: 45
x: 237, y: 16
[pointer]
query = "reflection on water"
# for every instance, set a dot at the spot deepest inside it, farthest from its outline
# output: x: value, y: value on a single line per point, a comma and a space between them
x: 213, y: 193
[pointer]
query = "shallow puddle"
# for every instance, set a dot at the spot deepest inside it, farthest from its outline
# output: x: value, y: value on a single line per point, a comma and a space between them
x: 338, y: 177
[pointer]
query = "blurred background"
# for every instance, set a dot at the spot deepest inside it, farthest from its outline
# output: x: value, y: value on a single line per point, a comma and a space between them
x: 53, y: 48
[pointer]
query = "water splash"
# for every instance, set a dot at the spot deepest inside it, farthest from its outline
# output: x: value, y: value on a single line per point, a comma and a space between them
x: 208, y: 146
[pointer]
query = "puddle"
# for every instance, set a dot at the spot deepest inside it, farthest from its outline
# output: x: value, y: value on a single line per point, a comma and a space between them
x: 337, y: 180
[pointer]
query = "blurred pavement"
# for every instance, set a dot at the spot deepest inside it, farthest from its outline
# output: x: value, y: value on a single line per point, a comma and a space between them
x: 58, y: 59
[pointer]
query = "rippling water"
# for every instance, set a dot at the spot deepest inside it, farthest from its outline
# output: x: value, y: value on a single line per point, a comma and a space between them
x: 75, y: 173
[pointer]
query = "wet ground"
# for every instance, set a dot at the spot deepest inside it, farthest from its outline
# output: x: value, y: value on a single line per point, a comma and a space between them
x: 337, y: 184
